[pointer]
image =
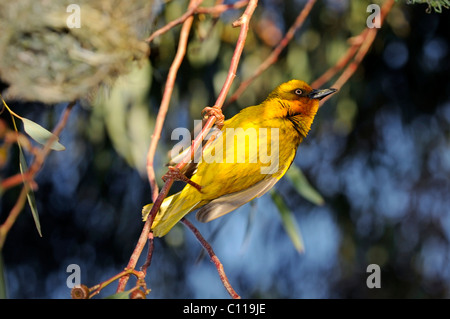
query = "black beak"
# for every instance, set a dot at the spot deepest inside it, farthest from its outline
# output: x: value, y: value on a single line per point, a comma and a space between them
x: 320, y: 94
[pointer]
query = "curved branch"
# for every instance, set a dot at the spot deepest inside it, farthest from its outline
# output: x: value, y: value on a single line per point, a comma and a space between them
x: 170, y: 82
x: 28, y: 176
x: 243, y: 22
x: 157, y: 199
x: 188, y: 14
x: 214, y: 259
x: 366, y: 44
x: 356, y: 43
x: 273, y: 57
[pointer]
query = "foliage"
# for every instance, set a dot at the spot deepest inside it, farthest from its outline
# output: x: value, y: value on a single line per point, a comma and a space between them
x: 436, y: 5
x: 366, y: 187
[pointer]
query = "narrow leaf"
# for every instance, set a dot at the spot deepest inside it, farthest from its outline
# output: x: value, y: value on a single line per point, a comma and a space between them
x: 30, y: 195
x: 41, y: 135
x: 23, y: 163
x: 303, y: 187
x: 289, y: 222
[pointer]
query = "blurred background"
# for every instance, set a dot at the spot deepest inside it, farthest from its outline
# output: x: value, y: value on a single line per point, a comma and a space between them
x: 378, y: 156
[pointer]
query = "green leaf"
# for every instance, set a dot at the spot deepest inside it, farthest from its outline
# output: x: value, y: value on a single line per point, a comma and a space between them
x: 288, y: 221
x: 120, y: 295
x: 30, y: 195
x: 40, y: 134
x: 303, y: 187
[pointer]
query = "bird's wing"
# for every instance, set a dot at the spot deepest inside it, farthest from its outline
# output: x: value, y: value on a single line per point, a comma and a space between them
x: 225, y: 204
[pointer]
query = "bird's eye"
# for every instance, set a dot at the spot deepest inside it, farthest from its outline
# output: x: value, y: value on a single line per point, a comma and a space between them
x: 298, y: 91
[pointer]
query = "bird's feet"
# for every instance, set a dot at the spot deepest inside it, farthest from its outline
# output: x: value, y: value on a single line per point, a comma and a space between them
x: 214, y: 111
x: 176, y: 174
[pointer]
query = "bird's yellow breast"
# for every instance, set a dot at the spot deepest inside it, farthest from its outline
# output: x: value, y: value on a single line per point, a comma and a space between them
x: 247, y: 150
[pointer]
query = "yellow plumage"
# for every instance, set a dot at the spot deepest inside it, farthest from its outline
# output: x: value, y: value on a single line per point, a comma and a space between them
x: 253, y: 150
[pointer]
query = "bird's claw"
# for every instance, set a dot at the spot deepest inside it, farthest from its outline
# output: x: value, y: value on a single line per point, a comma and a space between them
x: 176, y: 174
x: 216, y: 112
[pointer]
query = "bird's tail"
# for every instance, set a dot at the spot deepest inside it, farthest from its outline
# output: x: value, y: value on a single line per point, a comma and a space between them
x: 172, y: 209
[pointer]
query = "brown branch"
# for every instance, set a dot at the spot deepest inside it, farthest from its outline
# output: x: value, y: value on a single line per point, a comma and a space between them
x: 170, y: 82
x: 221, y: 8
x: 273, y: 57
x: 95, y: 290
x: 214, y: 259
x: 14, y: 180
x: 215, y: 11
x: 143, y: 237
x: 193, y: 5
x: 13, y: 214
x: 42, y: 155
x: 356, y: 43
x: 148, y: 261
x: 27, y: 177
x: 362, y: 51
x: 157, y: 200
x: 243, y: 22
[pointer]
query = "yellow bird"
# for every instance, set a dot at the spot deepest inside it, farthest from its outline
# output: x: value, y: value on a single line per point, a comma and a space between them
x: 252, y: 151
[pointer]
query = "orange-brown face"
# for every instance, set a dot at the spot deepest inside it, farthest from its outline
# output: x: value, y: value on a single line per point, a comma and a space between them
x: 299, y: 98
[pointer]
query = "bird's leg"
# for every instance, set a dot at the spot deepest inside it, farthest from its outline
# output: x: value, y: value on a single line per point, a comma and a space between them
x: 175, y: 173
x: 214, y: 111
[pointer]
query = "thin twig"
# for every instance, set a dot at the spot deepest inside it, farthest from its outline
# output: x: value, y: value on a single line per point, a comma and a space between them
x: 356, y: 43
x: 273, y: 57
x: 14, y: 180
x: 28, y: 176
x: 220, y: 8
x: 157, y: 200
x: 148, y: 261
x: 170, y: 82
x: 95, y: 290
x: 188, y: 14
x: 362, y: 51
x: 243, y: 22
x: 144, y: 235
x: 40, y: 155
x: 13, y: 214
x: 214, y: 259
x: 215, y: 11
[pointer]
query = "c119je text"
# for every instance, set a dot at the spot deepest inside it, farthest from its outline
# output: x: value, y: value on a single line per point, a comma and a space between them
x: 232, y: 308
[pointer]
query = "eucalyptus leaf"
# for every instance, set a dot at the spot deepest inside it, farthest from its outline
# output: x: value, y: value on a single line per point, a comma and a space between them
x: 34, y: 212
x: 23, y: 168
x: 302, y: 186
x: 40, y: 134
x: 30, y: 195
x: 288, y: 221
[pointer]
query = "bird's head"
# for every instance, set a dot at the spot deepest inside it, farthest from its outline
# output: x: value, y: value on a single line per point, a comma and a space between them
x: 296, y: 101
x: 298, y: 98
